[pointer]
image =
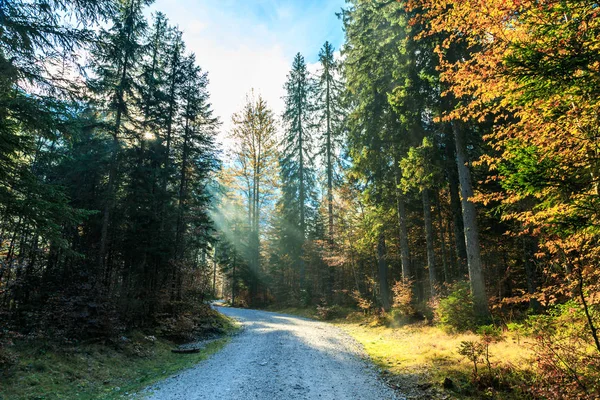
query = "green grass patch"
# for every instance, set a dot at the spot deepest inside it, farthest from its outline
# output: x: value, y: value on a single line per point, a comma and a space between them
x: 95, y: 371
x: 417, y: 358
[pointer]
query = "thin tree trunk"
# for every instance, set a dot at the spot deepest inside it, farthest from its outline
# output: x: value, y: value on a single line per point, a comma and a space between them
x: 384, y: 290
x: 214, y: 282
x: 233, y: 282
x: 442, y: 238
x: 433, y: 281
x: 530, y: 274
x: 302, y: 199
x: 402, y: 229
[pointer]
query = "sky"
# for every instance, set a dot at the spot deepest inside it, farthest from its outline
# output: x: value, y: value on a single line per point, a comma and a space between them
x: 250, y: 44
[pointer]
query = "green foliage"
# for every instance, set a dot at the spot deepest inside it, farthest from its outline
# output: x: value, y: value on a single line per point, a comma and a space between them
x: 298, y: 204
x: 474, y: 352
x: 455, y: 311
x: 418, y: 171
x: 104, y: 175
x: 526, y: 172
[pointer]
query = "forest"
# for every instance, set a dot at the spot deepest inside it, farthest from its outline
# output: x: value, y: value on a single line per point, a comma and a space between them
x: 442, y: 166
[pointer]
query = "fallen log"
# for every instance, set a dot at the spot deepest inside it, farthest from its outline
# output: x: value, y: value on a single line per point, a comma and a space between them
x: 185, y: 351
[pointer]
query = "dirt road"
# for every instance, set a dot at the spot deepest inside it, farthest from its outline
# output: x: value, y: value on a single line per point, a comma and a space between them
x: 279, y: 357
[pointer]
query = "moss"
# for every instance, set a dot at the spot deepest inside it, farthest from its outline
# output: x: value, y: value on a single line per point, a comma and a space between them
x: 96, y: 371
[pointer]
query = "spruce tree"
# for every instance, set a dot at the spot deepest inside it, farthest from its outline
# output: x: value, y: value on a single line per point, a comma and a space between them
x: 114, y: 62
x: 330, y: 108
x: 297, y: 172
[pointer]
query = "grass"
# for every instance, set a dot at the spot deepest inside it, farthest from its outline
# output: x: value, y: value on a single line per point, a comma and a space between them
x: 95, y: 371
x: 416, y: 358
x: 419, y: 357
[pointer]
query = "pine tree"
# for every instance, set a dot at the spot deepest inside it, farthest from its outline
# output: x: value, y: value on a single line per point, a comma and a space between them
x: 39, y: 111
x: 114, y: 62
x: 196, y: 164
x: 297, y: 173
x: 330, y: 108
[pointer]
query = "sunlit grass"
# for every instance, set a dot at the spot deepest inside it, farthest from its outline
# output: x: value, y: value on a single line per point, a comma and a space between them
x: 421, y: 346
x: 424, y: 355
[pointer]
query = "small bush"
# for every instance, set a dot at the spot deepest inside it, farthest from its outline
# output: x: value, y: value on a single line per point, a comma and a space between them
x: 455, y: 312
x: 402, y: 299
x: 362, y: 303
x: 568, y: 366
x: 327, y: 313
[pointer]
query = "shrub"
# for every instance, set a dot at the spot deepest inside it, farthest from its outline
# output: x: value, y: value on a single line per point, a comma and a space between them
x: 402, y: 297
x: 455, y: 311
x: 474, y: 352
x: 568, y: 366
x: 326, y: 313
x: 362, y: 303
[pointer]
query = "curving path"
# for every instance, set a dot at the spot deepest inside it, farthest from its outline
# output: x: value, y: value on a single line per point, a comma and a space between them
x: 279, y: 356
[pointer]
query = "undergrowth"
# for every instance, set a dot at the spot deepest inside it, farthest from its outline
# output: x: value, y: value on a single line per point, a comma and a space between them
x: 107, y: 369
x: 547, y: 356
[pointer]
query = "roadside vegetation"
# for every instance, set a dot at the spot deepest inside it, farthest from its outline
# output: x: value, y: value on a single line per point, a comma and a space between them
x: 539, y: 357
x: 44, y: 368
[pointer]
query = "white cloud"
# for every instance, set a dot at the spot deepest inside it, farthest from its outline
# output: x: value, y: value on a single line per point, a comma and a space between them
x: 250, y: 45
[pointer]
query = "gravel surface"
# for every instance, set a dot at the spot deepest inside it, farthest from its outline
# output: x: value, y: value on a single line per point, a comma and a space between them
x: 279, y: 356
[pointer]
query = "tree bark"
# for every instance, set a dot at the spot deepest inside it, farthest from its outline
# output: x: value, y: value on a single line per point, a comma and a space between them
x: 470, y: 225
x: 429, y: 241
x: 402, y: 229
x: 530, y: 274
x: 384, y: 290
x: 455, y: 205
x: 442, y: 238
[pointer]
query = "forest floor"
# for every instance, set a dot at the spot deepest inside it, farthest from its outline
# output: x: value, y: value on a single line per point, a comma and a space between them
x: 416, y: 358
x: 103, y: 370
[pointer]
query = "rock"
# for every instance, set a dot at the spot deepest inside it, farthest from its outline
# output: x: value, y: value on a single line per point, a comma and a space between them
x: 448, y: 384
x: 151, y: 339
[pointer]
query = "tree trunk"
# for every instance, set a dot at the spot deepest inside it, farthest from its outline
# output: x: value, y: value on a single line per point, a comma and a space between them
x: 384, y: 290
x: 470, y: 225
x: 458, y: 226
x: 214, y: 281
x: 442, y: 238
x: 429, y: 241
x: 530, y: 274
x: 301, y: 200
x: 402, y: 230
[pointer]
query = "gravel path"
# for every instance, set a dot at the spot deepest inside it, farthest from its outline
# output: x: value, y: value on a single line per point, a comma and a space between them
x: 279, y: 356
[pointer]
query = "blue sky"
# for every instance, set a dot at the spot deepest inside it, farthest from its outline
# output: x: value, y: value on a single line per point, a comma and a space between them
x: 245, y: 44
